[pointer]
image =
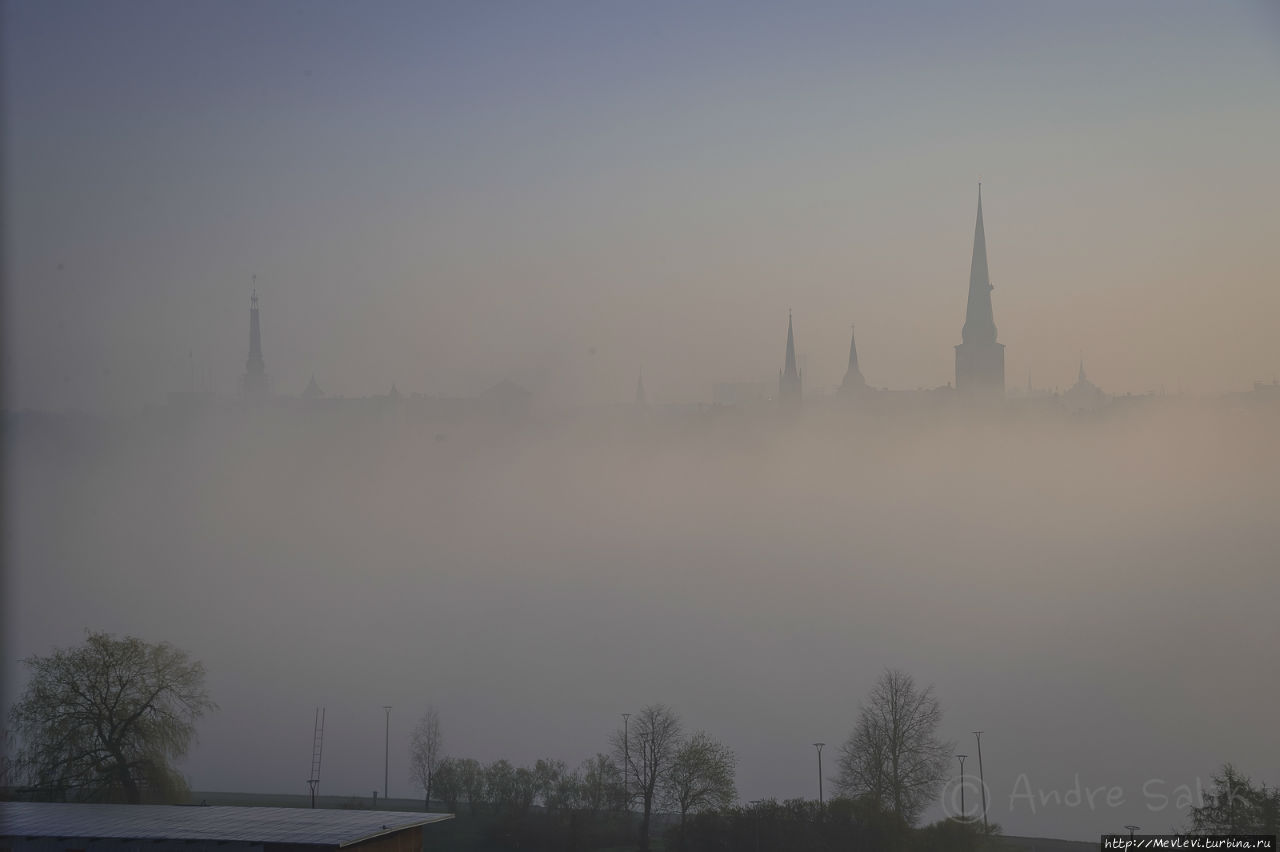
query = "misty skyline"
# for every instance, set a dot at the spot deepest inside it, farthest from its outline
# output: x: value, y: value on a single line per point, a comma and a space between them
x: 440, y: 197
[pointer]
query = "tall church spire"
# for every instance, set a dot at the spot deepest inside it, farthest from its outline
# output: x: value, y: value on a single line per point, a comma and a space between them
x: 853, y: 380
x: 789, y: 393
x: 254, y: 381
x: 790, y: 369
x: 979, y: 322
x: 979, y: 358
x: 640, y: 397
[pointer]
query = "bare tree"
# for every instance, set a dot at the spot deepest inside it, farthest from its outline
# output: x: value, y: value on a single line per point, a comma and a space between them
x: 426, y: 750
x: 701, y: 777
x: 646, y: 760
x: 104, y: 721
x: 894, y: 756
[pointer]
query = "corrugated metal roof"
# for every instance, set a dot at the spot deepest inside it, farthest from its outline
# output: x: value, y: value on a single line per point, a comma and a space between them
x: 318, y: 827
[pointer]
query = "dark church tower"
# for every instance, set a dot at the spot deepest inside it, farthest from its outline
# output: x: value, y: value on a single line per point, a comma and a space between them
x: 254, y: 381
x: 979, y: 358
x: 853, y: 381
x: 789, y: 394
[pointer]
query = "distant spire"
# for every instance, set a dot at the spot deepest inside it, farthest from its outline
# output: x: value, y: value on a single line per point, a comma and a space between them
x: 789, y: 389
x: 312, y: 390
x: 1081, y: 378
x: 640, y: 397
x: 979, y: 357
x: 979, y: 322
x: 255, y: 370
x: 790, y: 368
x: 853, y: 379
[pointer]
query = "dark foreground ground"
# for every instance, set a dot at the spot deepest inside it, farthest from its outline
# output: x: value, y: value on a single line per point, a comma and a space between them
x: 459, y: 835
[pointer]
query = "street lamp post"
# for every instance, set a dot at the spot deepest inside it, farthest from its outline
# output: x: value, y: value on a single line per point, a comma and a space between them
x: 963, y: 815
x: 982, y: 780
x: 819, y: 746
x: 386, y: 755
x: 1132, y: 829
x: 626, y: 759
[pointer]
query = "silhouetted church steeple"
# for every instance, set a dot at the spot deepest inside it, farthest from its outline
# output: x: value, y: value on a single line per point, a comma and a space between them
x: 789, y: 393
x: 254, y: 381
x: 853, y: 380
x: 640, y: 397
x: 979, y: 358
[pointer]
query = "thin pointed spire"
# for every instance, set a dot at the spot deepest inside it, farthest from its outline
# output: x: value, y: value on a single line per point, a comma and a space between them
x: 979, y: 357
x: 312, y: 390
x: 640, y: 395
x: 255, y: 370
x: 853, y: 379
x: 979, y: 322
x: 790, y: 359
x: 789, y: 392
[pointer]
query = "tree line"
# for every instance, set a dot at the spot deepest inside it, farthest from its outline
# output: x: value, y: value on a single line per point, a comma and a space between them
x: 652, y: 765
x: 108, y: 720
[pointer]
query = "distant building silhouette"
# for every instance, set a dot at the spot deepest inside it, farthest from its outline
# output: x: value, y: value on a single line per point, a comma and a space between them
x: 1272, y: 390
x: 1031, y: 392
x: 1084, y: 395
x: 853, y: 382
x: 640, y: 397
x: 789, y: 392
x: 254, y: 381
x: 312, y: 390
x: 979, y: 358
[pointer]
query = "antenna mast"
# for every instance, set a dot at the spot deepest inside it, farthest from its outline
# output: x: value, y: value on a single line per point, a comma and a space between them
x: 317, y: 746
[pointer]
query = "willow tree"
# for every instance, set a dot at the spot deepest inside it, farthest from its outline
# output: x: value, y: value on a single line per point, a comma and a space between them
x: 108, y: 719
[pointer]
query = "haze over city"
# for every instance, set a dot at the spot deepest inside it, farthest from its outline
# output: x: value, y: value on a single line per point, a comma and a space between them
x: 555, y: 199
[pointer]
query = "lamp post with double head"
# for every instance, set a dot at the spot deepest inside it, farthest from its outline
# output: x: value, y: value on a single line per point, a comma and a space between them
x: 819, y: 746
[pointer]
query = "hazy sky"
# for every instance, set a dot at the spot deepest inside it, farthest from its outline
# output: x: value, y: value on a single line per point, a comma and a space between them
x: 445, y: 195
